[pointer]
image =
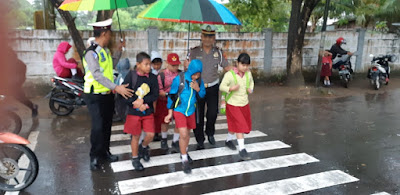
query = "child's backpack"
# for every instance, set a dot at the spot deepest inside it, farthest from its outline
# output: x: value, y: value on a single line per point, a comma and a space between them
x: 162, y: 76
x: 226, y: 96
x: 121, y: 108
x: 176, y: 97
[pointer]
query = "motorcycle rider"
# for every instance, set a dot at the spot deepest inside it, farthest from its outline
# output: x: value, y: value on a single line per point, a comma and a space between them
x: 337, y: 49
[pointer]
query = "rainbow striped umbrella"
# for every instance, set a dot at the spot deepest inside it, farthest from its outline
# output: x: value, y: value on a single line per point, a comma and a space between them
x: 95, y: 5
x: 190, y: 11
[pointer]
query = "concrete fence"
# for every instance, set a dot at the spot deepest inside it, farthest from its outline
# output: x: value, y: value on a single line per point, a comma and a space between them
x: 267, y: 49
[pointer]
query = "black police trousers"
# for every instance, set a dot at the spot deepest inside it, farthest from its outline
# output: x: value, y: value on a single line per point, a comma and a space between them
x: 101, y: 109
x: 212, y: 99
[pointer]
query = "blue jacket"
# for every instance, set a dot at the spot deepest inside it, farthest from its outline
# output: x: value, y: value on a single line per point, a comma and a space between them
x: 188, y: 95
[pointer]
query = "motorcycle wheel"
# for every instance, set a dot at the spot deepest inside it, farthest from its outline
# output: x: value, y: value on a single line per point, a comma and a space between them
x: 59, y: 108
x: 21, y: 167
x: 10, y: 122
x: 345, y: 82
x: 377, y: 84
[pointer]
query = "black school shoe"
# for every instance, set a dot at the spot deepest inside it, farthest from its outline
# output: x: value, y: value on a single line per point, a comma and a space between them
x: 190, y: 160
x: 144, y: 153
x: 164, y: 144
x: 230, y: 145
x: 137, y: 164
x: 157, y: 137
x: 186, y: 167
x: 175, y: 146
x: 244, y: 155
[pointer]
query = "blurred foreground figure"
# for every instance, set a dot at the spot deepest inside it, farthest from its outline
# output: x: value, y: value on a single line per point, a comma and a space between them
x: 12, y: 76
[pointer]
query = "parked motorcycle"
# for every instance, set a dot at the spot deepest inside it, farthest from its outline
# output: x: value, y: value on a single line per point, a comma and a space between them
x: 19, y: 166
x: 380, y: 70
x: 9, y: 120
x: 65, y: 96
x: 343, y: 64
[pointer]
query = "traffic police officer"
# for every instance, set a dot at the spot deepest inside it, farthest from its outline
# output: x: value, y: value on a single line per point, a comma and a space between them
x: 213, y: 60
x: 99, y: 83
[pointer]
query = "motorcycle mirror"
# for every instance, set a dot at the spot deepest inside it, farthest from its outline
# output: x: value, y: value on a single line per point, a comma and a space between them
x: 371, y: 55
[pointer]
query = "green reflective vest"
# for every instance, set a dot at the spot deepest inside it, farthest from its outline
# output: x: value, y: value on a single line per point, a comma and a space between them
x: 106, y: 67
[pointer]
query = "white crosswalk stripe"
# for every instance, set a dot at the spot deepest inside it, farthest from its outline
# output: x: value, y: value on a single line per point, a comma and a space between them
x: 292, y: 185
x: 212, y: 172
x: 198, y: 155
x: 156, y: 145
x: 298, y: 184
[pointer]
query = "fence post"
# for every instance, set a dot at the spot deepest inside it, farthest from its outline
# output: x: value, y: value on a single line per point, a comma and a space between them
x: 152, y: 38
x: 267, y: 50
x: 360, y: 49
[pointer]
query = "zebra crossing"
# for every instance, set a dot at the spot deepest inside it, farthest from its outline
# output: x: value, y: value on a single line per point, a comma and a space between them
x: 293, y: 185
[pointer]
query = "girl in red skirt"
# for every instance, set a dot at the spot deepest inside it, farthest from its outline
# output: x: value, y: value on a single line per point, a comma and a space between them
x: 237, y: 84
x: 326, y: 70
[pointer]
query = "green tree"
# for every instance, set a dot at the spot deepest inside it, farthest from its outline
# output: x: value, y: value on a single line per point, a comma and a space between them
x: 20, y: 14
x: 258, y: 14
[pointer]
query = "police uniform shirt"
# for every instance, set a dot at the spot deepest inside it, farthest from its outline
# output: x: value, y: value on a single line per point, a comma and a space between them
x: 211, y: 61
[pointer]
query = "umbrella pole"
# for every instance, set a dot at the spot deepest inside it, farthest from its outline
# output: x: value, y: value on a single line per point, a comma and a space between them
x: 119, y: 24
x: 188, y: 39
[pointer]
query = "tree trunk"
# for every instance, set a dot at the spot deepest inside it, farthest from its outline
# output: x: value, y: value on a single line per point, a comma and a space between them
x: 70, y: 22
x: 104, y: 15
x: 300, y: 14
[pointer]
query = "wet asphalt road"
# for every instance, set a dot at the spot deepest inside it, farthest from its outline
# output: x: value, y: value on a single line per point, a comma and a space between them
x: 357, y: 132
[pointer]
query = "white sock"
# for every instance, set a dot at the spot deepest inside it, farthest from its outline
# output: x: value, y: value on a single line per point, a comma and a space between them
x: 328, y: 82
x: 164, y: 135
x: 187, y: 148
x: 241, y: 144
x: 176, y: 137
x: 230, y: 137
x: 184, y: 158
x: 142, y: 137
x: 73, y: 71
x: 325, y: 83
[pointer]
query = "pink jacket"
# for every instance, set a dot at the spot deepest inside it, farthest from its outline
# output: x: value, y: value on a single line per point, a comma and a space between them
x: 59, y: 61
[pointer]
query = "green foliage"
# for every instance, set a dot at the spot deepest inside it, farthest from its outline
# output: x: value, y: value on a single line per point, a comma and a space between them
x: 258, y: 14
x: 364, y: 12
x: 381, y: 26
x: 21, y: 14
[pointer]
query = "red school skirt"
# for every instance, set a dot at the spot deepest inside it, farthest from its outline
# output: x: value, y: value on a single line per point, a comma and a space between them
x: 238, y: 118
x: 160, y: 114
x: 326, y: 71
